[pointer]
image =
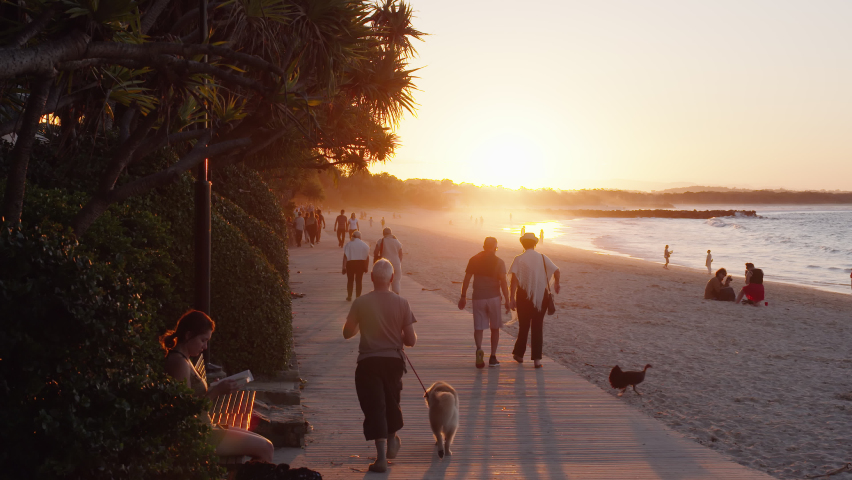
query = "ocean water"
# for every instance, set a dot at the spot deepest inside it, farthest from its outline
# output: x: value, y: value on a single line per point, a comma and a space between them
x: 804, y: 245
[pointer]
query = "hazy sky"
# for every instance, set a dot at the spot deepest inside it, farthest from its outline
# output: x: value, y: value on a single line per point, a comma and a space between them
x: 573, y: 94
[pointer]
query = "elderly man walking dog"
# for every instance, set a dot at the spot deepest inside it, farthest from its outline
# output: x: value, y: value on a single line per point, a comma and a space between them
x: 386, y: 325
x: 489, y: 281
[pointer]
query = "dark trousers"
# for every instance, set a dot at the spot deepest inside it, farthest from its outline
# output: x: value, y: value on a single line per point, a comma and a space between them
x: 341, y: 236
x: 312, y: 233
x: 528, y: 318
x: 378, y: 382
x: 355, y: 270
x: 299, y: 238
x: 319, y: 231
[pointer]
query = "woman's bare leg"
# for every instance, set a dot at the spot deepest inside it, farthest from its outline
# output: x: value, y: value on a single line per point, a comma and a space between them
x: 242, y: 442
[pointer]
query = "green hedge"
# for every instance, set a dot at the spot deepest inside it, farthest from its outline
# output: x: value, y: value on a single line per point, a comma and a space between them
x: 250, y: 301
x: 83, y: 393
x: 259, y: 234
x: 244, y: 186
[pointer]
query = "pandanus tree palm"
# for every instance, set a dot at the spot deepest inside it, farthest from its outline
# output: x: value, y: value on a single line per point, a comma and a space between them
x: 285, y: 84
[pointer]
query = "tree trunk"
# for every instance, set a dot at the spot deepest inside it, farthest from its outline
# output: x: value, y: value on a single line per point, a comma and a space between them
x: 13, y: 199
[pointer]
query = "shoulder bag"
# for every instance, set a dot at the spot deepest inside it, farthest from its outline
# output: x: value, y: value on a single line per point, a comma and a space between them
x: 547, y: 301
x: 380, y: 248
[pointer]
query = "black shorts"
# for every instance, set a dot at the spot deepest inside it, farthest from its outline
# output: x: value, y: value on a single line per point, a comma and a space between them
x: 378, y: 382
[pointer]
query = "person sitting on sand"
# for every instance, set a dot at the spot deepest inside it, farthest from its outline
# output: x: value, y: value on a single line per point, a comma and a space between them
x: 188, y: 339
x: 708, y: 262
x: 753, y: 290
x: 718, y: 287
x: 386, y: 325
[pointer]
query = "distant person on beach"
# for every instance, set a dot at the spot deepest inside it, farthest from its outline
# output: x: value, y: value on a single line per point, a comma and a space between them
x: 523, y: 230
x: 299, y: 225
x: 481, y: 221
x: 718, y: 287
x: 356, y: 261
x: 530, y: 273
x: 541, y: 236
x: 708, y: 262
x: 489, y: 281
x: 388, y: 247
x: 188, y: 339
x: 667, y: 253
x: 341, y: 224
x: 753, y: 290
x: 353, y: 225
x: 371, y: 222
x: 387, y: 326
x: 383, y: 223
x: 320, y: 224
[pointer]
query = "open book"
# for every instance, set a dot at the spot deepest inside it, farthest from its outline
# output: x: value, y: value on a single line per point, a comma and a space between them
x: 241, y: 378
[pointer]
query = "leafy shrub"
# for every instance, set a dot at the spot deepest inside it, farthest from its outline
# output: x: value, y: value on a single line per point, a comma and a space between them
x: 128, y: 237
x: 258, y: 234
x: 250, y: 301
x: 244, y: 186
x: 84, y: 395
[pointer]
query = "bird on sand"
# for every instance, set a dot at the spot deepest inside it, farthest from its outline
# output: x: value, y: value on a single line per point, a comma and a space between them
x: 622, y: 380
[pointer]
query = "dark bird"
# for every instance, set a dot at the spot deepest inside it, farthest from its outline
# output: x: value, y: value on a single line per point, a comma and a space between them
x: 622, y: 380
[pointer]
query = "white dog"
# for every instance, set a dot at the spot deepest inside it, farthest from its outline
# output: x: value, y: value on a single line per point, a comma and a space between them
x: 443, y: 402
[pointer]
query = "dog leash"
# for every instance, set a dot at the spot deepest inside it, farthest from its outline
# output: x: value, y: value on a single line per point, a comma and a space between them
x: 413, y: 370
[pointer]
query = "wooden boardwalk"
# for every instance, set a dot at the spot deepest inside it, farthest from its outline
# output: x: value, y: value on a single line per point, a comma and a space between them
x: 516, y: 421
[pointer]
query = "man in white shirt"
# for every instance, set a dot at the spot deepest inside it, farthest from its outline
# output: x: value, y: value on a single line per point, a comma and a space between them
x: 299, y: 225
x: 356, y: 258
x: 391, y: 249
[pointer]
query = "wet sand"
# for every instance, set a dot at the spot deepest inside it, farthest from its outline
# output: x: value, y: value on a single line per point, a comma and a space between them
x: 768, y: 386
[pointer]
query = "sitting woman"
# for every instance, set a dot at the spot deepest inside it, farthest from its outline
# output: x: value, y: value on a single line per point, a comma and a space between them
x: 718, y: 287
x: 188, y: 339
x: 753, y: 291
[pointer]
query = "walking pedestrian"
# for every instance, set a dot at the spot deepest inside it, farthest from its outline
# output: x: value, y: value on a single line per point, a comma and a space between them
x: 489, y: 281
x: 541, y: 236
x: 387, y: 326
x: 383, y: 223
x: 356, y: 259
x: 353, y: 225
x: 311, y: 226
x: 320, y: 224
x: 340, y: 226
x: 530, y: 273
x: 299, y: 224
x: 708, y: 262
x: 390, y: 248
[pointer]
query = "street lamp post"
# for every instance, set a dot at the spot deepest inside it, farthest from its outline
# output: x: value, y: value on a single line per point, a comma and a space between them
x: 203, y: 221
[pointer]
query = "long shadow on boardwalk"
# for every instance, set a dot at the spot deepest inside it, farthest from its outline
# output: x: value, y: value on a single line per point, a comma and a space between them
x: 516, y: 422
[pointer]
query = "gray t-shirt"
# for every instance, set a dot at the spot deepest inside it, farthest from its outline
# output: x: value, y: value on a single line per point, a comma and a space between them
x: 487, y: 269
x: 381, y: 316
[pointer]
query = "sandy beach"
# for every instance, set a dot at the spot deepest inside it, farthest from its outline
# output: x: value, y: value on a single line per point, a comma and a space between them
x: 767, y: 386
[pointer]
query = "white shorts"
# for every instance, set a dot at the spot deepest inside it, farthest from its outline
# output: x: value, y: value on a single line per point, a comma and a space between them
x: 486, y: 314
